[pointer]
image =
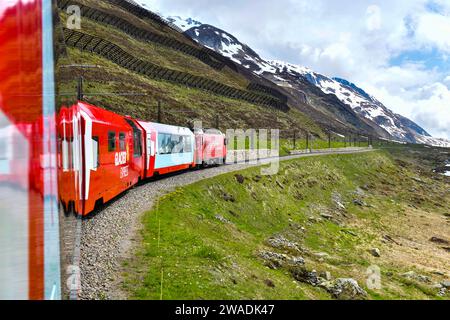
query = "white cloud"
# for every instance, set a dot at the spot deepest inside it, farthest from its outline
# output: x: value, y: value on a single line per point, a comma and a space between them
x: 434, y: 29
x: 373, y: 14
x: 355, y: 40
x: 447, y: 81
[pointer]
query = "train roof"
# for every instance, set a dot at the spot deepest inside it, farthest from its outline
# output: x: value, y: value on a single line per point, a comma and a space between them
x: 165, y: 128
x: 100, y: 115
x: 208, y: 131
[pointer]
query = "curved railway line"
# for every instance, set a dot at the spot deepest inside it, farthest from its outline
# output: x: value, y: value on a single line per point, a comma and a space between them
x: 98, y: 245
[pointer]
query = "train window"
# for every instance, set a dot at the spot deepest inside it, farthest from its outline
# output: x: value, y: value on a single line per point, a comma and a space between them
x: 172, y: 144
x: 65, y: 154
x: 95, y: 152
x: 137, y: 145
x: 111, y: 141
x: 187, y: 144
x: 122, y: 142
x: 3, y: 148
x: 164, y: 145
x: 137, y: 139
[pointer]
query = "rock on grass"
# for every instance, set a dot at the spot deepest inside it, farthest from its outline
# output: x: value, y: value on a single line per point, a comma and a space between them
x: 345, y: 289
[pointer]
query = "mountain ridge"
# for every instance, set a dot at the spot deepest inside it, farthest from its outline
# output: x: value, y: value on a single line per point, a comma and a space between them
x: 365, y: 105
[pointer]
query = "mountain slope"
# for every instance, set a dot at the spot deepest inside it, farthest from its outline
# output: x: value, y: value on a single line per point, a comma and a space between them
x: 128, y: 92
x: 325, y: 109
x: 382, y: 120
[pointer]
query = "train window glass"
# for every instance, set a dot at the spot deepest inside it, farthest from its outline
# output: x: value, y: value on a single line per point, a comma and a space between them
x: 187, y: 144
x: 164, y: 146
x: 172, y: 144
x: 3, y: 148
x: 65, y: 154
x: 122, y: 142
x: 111, y: 141
x: 95, y: 152
x: 137, y: 144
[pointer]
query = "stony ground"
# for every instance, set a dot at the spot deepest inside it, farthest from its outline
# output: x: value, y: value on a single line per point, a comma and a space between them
x: 108, y: 237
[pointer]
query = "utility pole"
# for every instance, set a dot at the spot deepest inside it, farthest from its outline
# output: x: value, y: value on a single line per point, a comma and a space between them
x: 329, y: 139
x: 80, y: 95
x: 295, y: 138
x: 159, y: 111
x: 307, y: 140
x: 217, y: 122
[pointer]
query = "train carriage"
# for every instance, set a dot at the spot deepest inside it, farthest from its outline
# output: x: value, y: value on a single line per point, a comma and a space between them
x: 101, y: 156
x: 169, y: 148
x: 211, y: 147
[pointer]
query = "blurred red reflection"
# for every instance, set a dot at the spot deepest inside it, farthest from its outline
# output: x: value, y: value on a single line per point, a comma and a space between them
x: 29, y: 239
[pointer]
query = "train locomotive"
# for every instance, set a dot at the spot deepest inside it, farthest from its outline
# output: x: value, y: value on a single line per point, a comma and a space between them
x: 102, y: 154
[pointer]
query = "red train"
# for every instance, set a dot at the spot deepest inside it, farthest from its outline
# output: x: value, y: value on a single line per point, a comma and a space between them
x: 102, y: 154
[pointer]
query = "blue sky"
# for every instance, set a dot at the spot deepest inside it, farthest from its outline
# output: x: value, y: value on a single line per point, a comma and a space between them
x: 398, y: 51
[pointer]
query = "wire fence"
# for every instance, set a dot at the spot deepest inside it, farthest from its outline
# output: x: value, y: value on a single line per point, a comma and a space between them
x: 146, y: 14
x: 93, y: 44
x: 142, y: 34
x: 146, y: 35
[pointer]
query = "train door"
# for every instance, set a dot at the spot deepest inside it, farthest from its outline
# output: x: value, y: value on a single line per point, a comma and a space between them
x: 137, y: 156
x: 199, y: 142
x: 150, y: 152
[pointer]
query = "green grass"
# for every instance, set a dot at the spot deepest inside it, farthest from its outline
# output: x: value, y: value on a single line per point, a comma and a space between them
x: 286, y: 146
x: 187, y: 253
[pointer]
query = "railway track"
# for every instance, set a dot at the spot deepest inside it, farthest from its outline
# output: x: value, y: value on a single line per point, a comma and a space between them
x: 95, y: 247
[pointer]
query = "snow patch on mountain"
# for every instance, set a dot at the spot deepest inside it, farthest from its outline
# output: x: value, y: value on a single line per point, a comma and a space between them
x: 431, y: 141
x: 183, y: 24
x: 361, y: 102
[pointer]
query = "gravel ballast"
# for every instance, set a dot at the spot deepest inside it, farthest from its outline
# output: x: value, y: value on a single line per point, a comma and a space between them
x: 112, y: 234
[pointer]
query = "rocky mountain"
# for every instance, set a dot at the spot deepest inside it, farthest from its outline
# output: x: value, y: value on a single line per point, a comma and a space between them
x: 373, y: 112
x: 228, y: 46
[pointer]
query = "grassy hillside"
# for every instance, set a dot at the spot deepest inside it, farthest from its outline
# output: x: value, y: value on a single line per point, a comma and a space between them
x: 244, y: 236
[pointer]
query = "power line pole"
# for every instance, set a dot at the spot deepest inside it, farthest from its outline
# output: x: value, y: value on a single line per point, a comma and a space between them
x: 80, y: 94
x: 159, y: 111
x: 295, y: 138
x: 329, y: 139
x: 307, y: 140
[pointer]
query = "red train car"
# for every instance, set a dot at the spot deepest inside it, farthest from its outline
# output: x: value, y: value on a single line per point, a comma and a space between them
x: 211, y: 147
x: 168, y: 148
x: 101, y: 156
x: 29, y: 226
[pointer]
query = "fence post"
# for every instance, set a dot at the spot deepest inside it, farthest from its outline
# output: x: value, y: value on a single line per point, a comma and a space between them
x: 80, y: 95
x: 295, y: 138
x: 329, y: 139
x: 307, y: 140
x: 159, y: 111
